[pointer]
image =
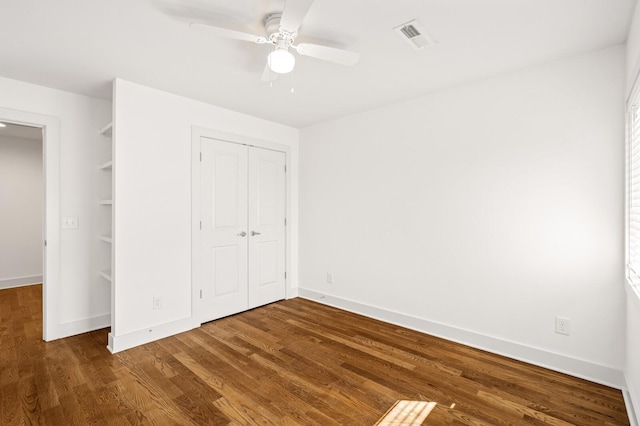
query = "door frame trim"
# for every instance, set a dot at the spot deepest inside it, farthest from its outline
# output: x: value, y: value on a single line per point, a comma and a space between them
x: 50, y: 126
x: 196, y: 134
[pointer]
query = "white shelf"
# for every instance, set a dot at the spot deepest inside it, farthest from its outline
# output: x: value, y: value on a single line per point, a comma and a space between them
x: 106, y: 130
x: 104, y: 187
x: 105, y: 274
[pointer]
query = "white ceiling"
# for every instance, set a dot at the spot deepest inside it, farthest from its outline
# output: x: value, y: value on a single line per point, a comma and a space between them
x: 19, y: 131
x: 81, y: 45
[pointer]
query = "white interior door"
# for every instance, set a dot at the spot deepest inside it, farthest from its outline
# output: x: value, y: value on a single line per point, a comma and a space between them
x: 223, y: 238
x: 242, y: 236
x: 266, y: 226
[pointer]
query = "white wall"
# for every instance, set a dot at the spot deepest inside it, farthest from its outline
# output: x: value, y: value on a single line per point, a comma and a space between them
x: 152, y: 236
x: 82, y: 300
x: 633, y: 49
x: 482, y: 211
x: 21, y: 209
x: 632, y: 366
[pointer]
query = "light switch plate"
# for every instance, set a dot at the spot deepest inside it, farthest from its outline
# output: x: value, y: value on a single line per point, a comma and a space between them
x: 70, y: 222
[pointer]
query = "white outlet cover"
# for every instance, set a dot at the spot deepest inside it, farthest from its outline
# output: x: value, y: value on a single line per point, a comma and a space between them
x: 563, y: 326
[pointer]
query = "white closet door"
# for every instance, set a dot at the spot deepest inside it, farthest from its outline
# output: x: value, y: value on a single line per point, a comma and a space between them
x: 267, y: 211
x: 223, y: 239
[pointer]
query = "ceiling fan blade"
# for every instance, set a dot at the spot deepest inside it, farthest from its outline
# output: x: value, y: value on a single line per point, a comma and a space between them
x: 268, y: 74
x: 293, y: 14
x: 209, y: 30
x: 331, y: 54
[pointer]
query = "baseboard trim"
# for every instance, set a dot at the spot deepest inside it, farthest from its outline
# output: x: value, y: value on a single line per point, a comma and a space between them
x: 147, y: 335
x: 632, y: 407
x: 20, y: 281
x: 73, y: 328
x: 575, y: 367
x: 631, y: 412
x: 292, y: 293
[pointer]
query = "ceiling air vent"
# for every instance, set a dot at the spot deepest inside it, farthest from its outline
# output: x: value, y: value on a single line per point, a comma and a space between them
x: 412, y: 33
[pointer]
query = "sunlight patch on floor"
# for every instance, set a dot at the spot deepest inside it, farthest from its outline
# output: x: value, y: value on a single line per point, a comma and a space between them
x: 407, y: 413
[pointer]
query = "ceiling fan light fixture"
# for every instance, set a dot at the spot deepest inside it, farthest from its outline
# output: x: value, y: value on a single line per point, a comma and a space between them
x: 281, y: 61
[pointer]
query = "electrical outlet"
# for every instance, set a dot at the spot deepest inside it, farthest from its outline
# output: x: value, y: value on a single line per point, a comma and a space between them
x: 329, y: 278
x: 157, y: 302
x: 563, y: 326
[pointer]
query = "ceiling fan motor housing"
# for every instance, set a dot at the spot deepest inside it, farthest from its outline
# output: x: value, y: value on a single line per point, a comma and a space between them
x: 274, y: 32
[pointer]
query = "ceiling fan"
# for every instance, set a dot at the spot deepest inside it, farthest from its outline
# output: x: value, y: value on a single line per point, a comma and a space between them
x: 281, y: 30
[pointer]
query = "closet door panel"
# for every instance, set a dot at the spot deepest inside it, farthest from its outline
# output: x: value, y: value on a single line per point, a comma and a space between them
x: 224, y: 221
x: 267, y: 209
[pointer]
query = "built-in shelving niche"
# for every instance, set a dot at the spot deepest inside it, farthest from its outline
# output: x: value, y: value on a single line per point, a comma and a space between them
x: 105, y: 215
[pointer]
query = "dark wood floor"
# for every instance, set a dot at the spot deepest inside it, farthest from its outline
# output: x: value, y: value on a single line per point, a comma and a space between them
x: 290, y: 363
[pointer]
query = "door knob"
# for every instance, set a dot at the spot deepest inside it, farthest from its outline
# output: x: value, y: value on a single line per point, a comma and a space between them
x: 242, y: 234
x: 254, y: 233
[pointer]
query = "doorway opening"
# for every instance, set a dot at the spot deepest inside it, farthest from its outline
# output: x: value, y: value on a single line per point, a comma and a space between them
x: 22, y: 195
x: 30, y: 142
